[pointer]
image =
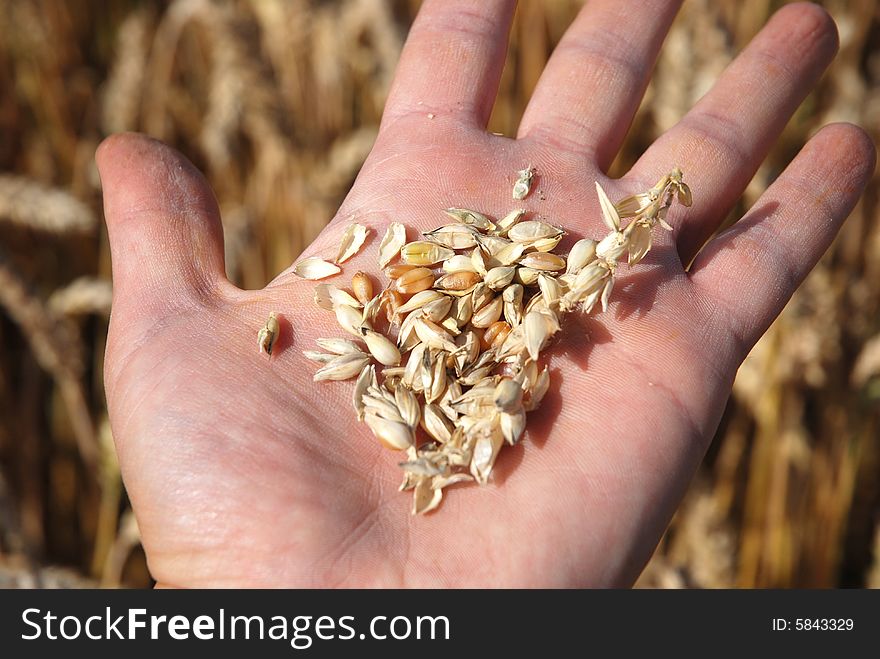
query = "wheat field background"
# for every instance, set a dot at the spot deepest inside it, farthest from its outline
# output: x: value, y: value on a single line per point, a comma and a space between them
x: 278, y: 102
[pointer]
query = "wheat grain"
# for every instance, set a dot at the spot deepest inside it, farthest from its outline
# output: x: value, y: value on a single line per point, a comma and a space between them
x: 469, y: 377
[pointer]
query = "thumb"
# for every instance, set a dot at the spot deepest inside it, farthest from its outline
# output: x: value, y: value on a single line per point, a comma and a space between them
x: 166, y: 240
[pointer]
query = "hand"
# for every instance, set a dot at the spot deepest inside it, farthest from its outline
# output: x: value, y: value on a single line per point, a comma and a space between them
x: 243, y: 472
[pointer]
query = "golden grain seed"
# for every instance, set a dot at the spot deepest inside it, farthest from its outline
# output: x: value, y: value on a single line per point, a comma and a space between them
x: 415, y: 281
x: 500, y: 338
x: 497, y: 330
x: 398, y: 269
x: 488, y: 313
x: 362, y: 286
x: 514, y: 344
x: 526, y: 276
x: 423, y: 253
x: 458, y: 281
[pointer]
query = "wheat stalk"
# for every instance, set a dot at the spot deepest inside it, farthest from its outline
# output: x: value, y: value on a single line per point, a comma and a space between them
x: 121, y: 101
x: 31, y: 204
x: 85, y: 295
x: 57, y: 349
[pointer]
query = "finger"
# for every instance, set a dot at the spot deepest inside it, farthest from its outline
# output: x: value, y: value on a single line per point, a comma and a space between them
x: 166, y: 241
x: 750, y: 271
x: 721, y: 142
x: 452, y: 61
x: 591, y: 88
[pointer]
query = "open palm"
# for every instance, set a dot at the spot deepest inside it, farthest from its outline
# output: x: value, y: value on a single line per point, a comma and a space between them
x: 243, y: 472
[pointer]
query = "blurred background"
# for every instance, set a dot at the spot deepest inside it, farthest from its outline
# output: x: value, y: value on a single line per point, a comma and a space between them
x: 278, y: 102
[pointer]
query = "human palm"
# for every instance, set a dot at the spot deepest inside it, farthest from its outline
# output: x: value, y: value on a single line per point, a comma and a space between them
x: 243, y: 472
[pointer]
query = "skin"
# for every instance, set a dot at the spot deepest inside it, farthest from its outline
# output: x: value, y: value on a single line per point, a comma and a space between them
x: 242, y: 472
